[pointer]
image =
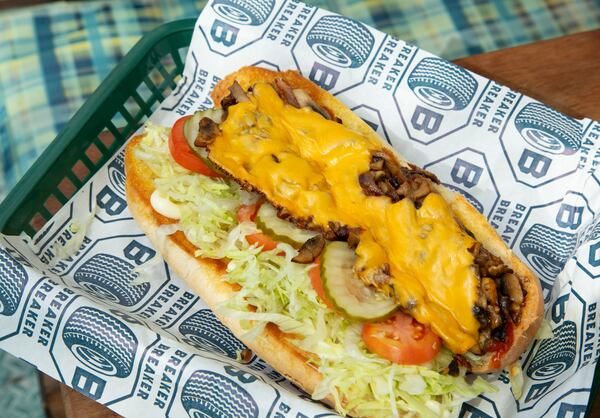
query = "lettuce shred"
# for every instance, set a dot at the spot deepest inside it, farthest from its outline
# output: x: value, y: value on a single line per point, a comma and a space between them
x: 545, y: 331
x: 515, y: 373
x: 280, y: 292
x: 208, y: 206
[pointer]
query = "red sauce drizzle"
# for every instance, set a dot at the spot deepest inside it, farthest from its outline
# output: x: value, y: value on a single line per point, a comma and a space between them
x: 501, y: 347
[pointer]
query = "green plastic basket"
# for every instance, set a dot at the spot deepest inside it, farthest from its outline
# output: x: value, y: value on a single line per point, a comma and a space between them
x: 120, y: 105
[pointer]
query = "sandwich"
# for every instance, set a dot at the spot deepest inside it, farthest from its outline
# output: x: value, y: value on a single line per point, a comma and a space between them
x: 353, y: 272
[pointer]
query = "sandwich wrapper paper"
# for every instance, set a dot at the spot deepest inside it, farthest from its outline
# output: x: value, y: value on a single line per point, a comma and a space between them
x: 154, y: 349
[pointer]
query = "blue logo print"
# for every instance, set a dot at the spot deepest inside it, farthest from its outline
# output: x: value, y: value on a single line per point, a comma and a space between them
x: 101, y: 342
x: 442, y: 84
x: 548, y: 249
x: 116, y: 173
x: 469, y: 411
x: 13, y: 279
x: 204, y: 331
x: 341, y: 41
x: 108, y: 277
x: 595, y: 234
x: 594, y: 250
x: 549, y: 130
x: 470, y: 198
x: 555, y: 355
x: 211, y: 395
x: 568, y: 410
x: 254, y: 13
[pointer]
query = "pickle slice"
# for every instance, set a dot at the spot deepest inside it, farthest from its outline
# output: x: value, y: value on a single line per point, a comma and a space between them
x: 191, y: 128
x: 346, y: 291
x: 280, y: 230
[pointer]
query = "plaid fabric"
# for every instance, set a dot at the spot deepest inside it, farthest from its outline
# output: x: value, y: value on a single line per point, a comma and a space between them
x: 20, y: 396
x: 52, y: 57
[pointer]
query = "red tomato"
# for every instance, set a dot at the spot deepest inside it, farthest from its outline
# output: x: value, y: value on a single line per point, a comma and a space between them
x: 266, y: 242
x: 183, y: 154
x: 317, y: 284
x: 247, y: 213
x: 501, y: 347
x: 401, y: 340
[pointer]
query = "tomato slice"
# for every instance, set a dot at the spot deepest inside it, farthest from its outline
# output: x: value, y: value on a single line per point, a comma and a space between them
x: 247, y: 213
x: 501, y: 347
x: 261, y: 240
x: 317, y: 283
x: 183, y: 154
x: 402, y: 340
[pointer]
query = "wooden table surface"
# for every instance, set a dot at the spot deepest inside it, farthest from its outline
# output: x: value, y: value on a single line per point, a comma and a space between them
x: 563, y: 72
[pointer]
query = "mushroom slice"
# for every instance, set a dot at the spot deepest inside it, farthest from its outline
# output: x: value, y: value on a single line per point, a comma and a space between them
x: 310, y: 250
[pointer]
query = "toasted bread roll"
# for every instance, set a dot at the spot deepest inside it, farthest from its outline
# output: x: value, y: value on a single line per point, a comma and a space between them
x: 204, y: 275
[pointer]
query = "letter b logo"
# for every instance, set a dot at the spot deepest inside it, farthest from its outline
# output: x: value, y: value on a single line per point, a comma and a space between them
x: 324, y: 76
x: 466, y: 173
x: 110, y: 201
x: 138, y: 252
x: 533, y: 163
x: 87, y: 383
x: 571, y: 411
x: 569, y: 216
x: 223, y: 32
x: 426, y: 120
x: 594, y: 256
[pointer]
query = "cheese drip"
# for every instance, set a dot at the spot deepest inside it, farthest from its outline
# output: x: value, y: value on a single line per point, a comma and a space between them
x: 310, y: 166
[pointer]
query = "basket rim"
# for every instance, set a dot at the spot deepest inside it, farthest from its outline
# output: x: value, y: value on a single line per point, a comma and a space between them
x: 26, y: 185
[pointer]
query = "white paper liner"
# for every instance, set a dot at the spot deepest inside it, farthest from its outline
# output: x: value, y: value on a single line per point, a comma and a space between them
x: 153, y: 349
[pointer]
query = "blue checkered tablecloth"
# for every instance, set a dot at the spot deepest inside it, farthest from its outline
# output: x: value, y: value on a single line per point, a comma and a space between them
x: 53, y: 56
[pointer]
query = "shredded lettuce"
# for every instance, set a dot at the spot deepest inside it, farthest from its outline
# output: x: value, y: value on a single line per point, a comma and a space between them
x: 144, y: 273
x: 207, y: 205
x: 279, y: 291
x: 545, y: 331
x: 517, y: 379
x: 78, y: 231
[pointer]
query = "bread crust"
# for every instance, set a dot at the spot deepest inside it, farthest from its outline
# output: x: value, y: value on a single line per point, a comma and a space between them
x: 204, y: 275
x: 533, y: 311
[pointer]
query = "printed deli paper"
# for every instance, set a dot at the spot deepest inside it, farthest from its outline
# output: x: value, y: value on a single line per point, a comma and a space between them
x: 153, y: 349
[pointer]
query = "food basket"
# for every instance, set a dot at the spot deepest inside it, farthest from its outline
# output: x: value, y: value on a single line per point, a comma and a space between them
x: 120, y: 105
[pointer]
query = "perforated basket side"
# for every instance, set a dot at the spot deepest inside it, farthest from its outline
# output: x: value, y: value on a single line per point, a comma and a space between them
x: 131, y: 92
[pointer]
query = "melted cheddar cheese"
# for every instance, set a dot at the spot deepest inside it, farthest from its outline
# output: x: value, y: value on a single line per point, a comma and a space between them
x: 310, y: 166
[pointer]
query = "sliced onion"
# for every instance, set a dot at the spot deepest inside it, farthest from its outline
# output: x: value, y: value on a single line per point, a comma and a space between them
x: 164, y: 205
x: 192, y: 125
x: 238, y: 93
x: 304, y: 100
